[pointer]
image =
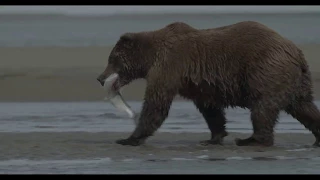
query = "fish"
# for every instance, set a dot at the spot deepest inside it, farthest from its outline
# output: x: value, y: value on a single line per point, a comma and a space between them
x: 116, y: 99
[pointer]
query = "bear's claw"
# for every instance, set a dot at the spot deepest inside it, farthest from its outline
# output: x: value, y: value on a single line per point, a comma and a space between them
x: 210, y: 142
x: 316, y: 143
x: 251, y: 141
x: 216, y: 139
x: 129, y: 142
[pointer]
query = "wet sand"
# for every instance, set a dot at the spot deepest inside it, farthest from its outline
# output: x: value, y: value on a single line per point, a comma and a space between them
x: 69, y: 74
x: 162, y: 146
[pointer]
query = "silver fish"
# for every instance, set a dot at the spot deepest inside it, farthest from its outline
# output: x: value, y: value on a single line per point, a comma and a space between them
x: 116, y: 98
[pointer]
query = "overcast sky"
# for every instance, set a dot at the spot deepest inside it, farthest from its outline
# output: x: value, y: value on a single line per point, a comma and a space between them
x: 148, y: 9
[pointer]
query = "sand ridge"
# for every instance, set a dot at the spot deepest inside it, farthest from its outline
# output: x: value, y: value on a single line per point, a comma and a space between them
x: 69, y: 74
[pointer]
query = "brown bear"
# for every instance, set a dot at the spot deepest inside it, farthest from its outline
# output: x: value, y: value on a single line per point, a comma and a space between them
x: 245, y: 65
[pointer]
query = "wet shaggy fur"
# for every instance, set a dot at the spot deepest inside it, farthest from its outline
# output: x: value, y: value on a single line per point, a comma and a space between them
x: 245, y: 65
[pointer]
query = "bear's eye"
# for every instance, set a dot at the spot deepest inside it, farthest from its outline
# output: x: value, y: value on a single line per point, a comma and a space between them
x: 115, y: 62
x: 112, y: 59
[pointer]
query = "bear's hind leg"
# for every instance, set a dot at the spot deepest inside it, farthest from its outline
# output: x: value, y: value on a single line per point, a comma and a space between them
x: 216, y: 120
x: 307, y: 114
x: 263, y: 120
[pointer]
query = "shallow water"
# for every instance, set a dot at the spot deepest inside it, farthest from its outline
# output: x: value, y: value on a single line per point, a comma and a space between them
x: 79, y: 138
x: 101, y: 116
x: 107, y: 166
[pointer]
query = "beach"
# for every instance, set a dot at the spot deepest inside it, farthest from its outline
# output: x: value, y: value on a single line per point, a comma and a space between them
x: 69, y: 73
x: 165, y: 145
x: 79, y: 138
x: 96, y: 153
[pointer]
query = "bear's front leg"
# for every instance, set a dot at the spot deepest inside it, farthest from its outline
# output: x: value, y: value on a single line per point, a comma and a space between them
x: 155, y: 110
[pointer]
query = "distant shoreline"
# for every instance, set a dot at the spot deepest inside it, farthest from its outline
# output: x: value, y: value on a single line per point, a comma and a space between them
x: 142, y: 15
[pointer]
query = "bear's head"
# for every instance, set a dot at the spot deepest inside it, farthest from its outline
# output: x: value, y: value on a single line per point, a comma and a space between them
x: 130, y: 59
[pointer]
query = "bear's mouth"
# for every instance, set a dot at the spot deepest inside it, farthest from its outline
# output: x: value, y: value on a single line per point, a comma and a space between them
x: 115, y: 85
x: 112, y: 83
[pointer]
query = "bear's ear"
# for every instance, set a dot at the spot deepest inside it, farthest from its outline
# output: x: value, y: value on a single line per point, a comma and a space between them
x: 127, y: 36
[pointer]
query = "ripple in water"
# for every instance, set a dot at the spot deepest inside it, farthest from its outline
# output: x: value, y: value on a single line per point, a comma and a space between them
x: 98, y: 116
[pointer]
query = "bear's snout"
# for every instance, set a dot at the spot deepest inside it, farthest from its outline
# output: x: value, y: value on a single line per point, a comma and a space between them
x: 101, y: 79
